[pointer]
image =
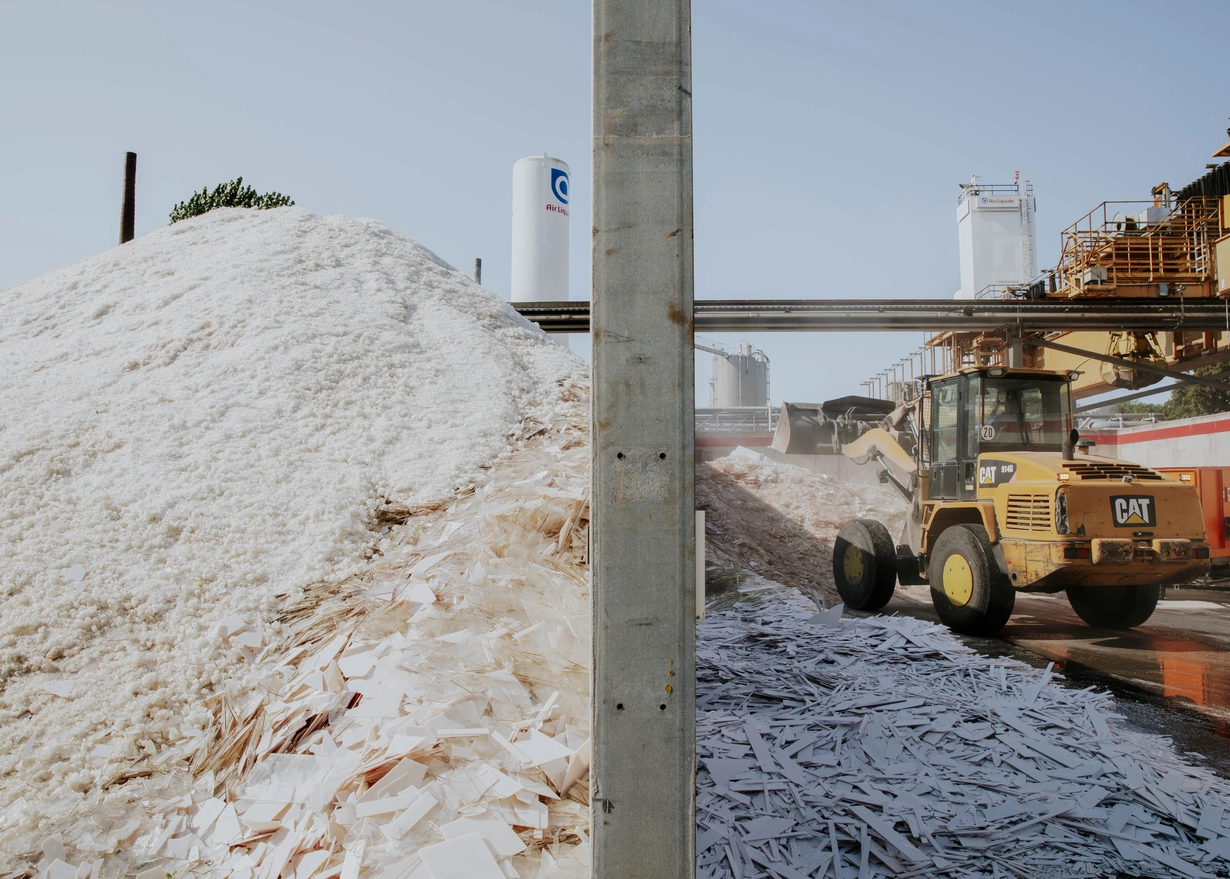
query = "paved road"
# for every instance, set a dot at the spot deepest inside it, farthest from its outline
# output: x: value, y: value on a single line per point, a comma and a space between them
x: 1175, y: 668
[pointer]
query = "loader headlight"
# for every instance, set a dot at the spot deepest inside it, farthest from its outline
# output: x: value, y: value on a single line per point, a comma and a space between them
x: 1061, y: 512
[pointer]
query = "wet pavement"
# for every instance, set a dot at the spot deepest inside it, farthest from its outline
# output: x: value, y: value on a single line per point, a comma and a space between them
x: 1172, y: 675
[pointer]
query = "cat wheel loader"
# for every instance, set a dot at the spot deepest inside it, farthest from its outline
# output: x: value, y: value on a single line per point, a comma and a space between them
x: 1001, y: 501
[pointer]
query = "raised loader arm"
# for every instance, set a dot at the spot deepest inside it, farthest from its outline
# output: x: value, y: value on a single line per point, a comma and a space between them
x: 899, y: 467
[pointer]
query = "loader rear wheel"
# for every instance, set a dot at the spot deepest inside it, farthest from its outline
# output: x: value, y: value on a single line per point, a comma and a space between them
x: 970, y: 593
x: 1114, y: 607
x: 864, y: 564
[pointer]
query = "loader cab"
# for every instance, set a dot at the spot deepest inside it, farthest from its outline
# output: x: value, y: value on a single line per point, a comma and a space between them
x: 987, y: 410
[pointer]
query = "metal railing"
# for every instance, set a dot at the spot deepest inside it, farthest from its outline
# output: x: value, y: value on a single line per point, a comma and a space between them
x: 898, y: 381
x: 736, y: 419
x: 1112, y: 247
x: 1035, y: 289
x: 970, y: 190
x: 1114, y: 420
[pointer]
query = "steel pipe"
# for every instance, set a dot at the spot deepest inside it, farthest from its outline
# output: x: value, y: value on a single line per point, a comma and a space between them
x: 916, y: 315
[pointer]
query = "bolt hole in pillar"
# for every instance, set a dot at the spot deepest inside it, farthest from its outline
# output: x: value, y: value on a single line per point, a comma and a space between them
x: 619, y: 455
x: 662, y: 707
x: 619, y: 706
x: 662, y: 456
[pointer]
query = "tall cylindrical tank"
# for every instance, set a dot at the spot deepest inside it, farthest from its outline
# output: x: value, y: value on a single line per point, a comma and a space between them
x: 740, y: 379
x: 540, y: 230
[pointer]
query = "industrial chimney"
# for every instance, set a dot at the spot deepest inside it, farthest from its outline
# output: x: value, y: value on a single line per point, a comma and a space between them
x: 128, y: 208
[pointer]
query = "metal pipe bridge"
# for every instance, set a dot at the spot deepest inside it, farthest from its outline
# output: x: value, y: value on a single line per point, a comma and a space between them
x: 916, y: 315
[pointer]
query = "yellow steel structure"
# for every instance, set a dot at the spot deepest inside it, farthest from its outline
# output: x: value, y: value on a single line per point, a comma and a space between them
x: 1177, y: 248
x: 1131, y: 249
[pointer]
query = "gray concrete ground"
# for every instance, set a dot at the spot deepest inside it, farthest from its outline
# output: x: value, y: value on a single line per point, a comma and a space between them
x: 1172, y: 675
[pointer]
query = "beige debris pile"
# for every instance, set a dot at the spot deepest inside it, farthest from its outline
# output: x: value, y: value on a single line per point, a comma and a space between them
x: 779, y: 520
x: 429, y: 718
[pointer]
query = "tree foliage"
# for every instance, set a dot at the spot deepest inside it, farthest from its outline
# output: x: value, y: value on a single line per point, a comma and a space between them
x: 1134, y: 408
x: 227, y: 195
x: 1188, y: 400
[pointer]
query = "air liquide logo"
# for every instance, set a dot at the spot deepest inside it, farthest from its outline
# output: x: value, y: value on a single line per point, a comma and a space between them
x: 559, y: 185
x: 1133, y: 509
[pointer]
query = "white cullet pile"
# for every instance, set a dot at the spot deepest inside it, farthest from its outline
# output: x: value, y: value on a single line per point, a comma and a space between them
x: 195, y: 427
x: 884, y: 746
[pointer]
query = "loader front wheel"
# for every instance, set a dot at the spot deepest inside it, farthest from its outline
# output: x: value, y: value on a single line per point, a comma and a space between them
x: 1114, y: 607
x: 864, y: 564
x: 970, y: 593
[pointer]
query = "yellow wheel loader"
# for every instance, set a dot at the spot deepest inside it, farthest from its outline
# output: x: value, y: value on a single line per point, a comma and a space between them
x: 1001, y: 501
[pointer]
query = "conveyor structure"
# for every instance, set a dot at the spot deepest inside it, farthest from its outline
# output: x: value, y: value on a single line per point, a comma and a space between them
x: 918, y: 315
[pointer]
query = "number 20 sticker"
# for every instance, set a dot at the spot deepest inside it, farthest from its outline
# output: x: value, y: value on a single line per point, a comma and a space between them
x: 987, y: 432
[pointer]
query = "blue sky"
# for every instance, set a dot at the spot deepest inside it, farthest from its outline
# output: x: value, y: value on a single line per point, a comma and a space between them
x: 829, y: 136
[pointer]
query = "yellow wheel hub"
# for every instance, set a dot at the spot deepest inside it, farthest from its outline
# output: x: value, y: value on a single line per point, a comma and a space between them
x: 958, y: 580
x: 852, y: 564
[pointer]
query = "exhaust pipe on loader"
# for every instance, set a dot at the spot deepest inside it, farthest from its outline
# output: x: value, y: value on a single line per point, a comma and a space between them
x: 1068, y: 449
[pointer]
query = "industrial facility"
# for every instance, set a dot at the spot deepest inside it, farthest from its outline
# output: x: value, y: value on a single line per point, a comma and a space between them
x: 323, y: 559
x: 1163, y: 248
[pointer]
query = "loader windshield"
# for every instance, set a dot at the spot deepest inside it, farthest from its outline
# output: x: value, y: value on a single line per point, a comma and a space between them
x: 1021, y: 413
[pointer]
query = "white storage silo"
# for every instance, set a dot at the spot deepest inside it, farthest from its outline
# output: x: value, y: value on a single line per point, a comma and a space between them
x: 740, y: 379
x: 999, y: 247
x: 540, y: 230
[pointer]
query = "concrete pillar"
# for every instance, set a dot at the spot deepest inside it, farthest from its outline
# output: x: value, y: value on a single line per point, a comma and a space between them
x: 644, y: 709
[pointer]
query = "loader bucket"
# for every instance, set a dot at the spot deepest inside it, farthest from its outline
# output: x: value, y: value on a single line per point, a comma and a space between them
x: 802, y: 429
x: 855, y: 408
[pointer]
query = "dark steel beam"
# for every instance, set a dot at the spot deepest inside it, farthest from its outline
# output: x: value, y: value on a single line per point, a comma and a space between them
x: 1126, y: 398
x: 917, y: 315
x: 1132, y: 364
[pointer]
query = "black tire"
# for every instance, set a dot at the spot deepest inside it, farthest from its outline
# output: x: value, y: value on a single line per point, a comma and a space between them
x: 973, y: 576
x: 864, y: 564
x: 1114, y: 607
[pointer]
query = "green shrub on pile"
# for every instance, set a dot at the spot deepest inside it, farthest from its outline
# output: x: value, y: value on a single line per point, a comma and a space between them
x: 228, y: 195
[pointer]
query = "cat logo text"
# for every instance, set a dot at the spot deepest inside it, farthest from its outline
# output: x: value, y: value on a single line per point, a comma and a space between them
x: 1132, y: 510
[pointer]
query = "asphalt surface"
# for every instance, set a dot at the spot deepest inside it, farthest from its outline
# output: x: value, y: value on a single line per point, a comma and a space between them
x: 1171, y: 675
